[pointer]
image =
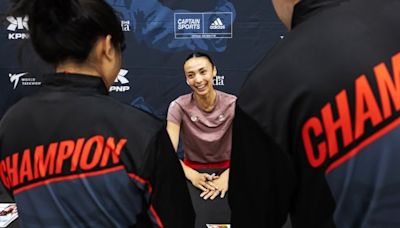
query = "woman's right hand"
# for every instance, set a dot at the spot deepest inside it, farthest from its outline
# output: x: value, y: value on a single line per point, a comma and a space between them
x: 201, y: 181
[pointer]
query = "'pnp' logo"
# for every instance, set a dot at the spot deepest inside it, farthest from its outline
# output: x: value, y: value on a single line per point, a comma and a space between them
x: 121, y: 78
x: 17, y: 23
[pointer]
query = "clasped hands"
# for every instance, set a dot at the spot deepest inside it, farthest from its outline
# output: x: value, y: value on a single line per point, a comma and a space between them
x: 211, y: 185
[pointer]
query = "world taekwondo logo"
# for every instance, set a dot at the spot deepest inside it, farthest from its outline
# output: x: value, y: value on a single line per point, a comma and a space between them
x: 217, y: 24
x: 17, y: 23
x: 14, y: 78
x: 25, y: 81
x: 122, y: 80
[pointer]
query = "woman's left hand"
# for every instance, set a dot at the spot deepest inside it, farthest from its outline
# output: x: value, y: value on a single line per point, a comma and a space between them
x: 221, y: 184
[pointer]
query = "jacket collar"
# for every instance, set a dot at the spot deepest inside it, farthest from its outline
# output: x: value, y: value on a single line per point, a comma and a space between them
x: 307, y: 8
x: 75, y: 82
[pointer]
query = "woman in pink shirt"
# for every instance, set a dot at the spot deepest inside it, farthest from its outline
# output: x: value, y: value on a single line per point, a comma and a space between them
x: 204, y: 120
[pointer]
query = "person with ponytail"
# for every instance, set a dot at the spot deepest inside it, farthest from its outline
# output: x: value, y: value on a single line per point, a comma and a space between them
x: 72, y: 156
x: 204, y: 120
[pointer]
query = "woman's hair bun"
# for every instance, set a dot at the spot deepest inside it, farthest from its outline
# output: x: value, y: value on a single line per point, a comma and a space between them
x: 51, y: 13
x: 68, y: 29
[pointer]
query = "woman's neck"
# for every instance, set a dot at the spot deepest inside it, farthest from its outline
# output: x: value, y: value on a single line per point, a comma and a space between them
x: 206, y: 102
x: 71, y: 67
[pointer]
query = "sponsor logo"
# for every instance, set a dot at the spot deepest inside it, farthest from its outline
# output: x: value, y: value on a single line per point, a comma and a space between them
x: 203, y: 25
x: 17, y: 24
x: 219, y: 80
x: 121, y: 77
x: 122, y: 81
x: 25, y: 81
x: 126, y: 26
x: 14, y: 78
x: 217, y: 24
x: 189, y: 23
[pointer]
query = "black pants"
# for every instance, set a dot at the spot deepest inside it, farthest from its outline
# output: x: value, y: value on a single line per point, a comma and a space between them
x: 208, y: 211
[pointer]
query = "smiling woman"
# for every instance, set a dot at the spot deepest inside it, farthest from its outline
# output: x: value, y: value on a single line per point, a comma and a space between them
x: 204, y: 117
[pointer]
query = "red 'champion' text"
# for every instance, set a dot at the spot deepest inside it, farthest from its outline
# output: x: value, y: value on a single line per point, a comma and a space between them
x: 60, y: 158
x: 320, y: 134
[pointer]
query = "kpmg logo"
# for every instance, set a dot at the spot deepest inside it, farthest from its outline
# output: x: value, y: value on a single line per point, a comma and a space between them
x: 15, y: 79
x: 203, y: 25
x: 17, y: 24
x: 122, y: 81
x: 217, y: 24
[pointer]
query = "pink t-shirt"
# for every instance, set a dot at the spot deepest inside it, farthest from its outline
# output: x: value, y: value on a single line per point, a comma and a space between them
x: 207, y: 136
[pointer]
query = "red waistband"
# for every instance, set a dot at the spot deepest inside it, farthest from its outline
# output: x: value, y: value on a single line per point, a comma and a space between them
x: 211, y: 165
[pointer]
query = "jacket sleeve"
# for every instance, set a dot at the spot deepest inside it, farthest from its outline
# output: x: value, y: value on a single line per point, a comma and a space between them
x: 261, y: 182
x: 170, y: 205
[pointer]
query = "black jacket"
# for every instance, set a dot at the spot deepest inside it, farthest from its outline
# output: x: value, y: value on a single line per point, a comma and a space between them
x: 72, y: 156
x: 316, y: 130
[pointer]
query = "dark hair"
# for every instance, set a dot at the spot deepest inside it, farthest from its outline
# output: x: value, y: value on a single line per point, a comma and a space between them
x: 68, y: 29
x: 197, y: 55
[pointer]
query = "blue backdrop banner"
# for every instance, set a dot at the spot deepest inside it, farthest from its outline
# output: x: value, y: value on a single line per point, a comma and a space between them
x: 160, y: 34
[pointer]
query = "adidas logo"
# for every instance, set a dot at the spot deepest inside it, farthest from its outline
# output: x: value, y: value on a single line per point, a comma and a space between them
x: 19, y: 23
x: 217, y: 24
